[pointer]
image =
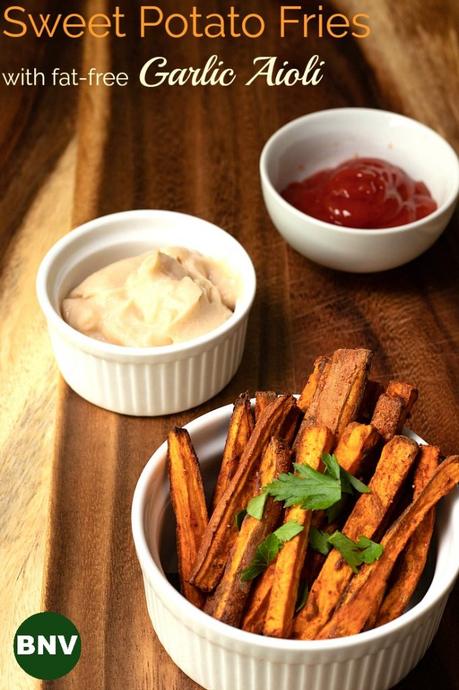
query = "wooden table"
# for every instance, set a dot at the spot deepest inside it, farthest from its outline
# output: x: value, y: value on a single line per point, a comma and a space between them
x: 68, y: 155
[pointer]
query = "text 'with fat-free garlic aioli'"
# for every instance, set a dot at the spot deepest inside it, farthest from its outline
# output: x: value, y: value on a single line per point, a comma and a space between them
x: 162, y: 297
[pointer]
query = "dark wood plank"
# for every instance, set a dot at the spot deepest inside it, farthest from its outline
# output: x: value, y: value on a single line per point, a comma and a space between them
x: 36, y: 123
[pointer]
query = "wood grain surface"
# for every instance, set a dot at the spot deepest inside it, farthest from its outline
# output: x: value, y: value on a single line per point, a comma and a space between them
x: 68, y: 155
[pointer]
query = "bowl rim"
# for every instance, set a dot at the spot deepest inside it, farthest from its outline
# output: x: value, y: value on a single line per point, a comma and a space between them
x: 124, y: 352
x: 193, y: 615
x: 372, y: 112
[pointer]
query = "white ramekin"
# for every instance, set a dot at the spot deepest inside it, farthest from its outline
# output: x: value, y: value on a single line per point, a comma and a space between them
x: 143, y: 381
x: 220, y: 657
x: 329, y: 137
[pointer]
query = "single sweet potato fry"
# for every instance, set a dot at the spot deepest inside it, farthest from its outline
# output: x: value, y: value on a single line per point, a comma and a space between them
x: 354, y: 444
x: 393, y: 408
x: 387, y: 415
x: 189, y: 504
x: 340, y: 399
x: 255, y: 615
x: 219, y: 535
x: 289, y: 563
x: 239, y: 431
x: 350, y: 618
x: 409, y: 395
x: 413, y: 559
x: 262, y: 400
x: 312, y: 384
x: 229, y: 598
x: 311, y: 393
x: 396, y: 460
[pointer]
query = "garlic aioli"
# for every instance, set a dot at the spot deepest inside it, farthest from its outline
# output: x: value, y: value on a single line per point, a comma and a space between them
x: 162, y: 297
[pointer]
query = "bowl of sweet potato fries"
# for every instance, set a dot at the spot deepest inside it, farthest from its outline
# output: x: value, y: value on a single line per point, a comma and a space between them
x: 300, y: 542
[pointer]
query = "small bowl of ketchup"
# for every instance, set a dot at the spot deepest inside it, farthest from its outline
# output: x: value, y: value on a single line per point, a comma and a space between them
x: 357, y: 189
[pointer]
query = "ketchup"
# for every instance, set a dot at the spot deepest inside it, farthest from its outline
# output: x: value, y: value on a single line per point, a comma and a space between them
x: 365, y: 193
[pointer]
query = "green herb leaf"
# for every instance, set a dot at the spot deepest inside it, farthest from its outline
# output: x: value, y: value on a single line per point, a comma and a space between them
x: 314, y: 490
x: 288, y: 530
x: 371, y: 550
x: 318, y: 541
x: 302, y: 597
x: 331, y: 464
x: 239, y: 519
x: 349, y: 483
x: 358, y: 485
x: 309, y: 489
x: 256, y: 505
x: 364, y: 550
x: 266, y: 552
x: 269, y: 548
x: 347, y: 548
x: 252, y: 571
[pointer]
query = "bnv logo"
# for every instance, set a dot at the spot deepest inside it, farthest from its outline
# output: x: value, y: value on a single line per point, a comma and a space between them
x: 47, y: 645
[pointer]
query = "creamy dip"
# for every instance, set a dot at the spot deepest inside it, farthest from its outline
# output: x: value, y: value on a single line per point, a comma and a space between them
x: 162, y: 297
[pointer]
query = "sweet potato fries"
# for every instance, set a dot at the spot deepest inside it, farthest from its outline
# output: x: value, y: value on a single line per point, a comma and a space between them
x: 220, y: 532
x: 316, y: 530
x: 228, y: 600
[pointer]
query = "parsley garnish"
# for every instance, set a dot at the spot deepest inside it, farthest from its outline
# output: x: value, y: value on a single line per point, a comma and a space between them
x: 265, y: 553
x: 256, y: 506
x: 307, y: 488
x: 314, y: 490
x: 269, y: 548
x: 318, y: 540
x: 331, y: 465
x: 288, y: 530
x: 348, y: 482
x: 355, y: 553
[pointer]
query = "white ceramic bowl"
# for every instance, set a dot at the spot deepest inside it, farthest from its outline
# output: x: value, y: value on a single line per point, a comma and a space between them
x: 329, y: 137
x: 143, y: 381
x: 220, y: 657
